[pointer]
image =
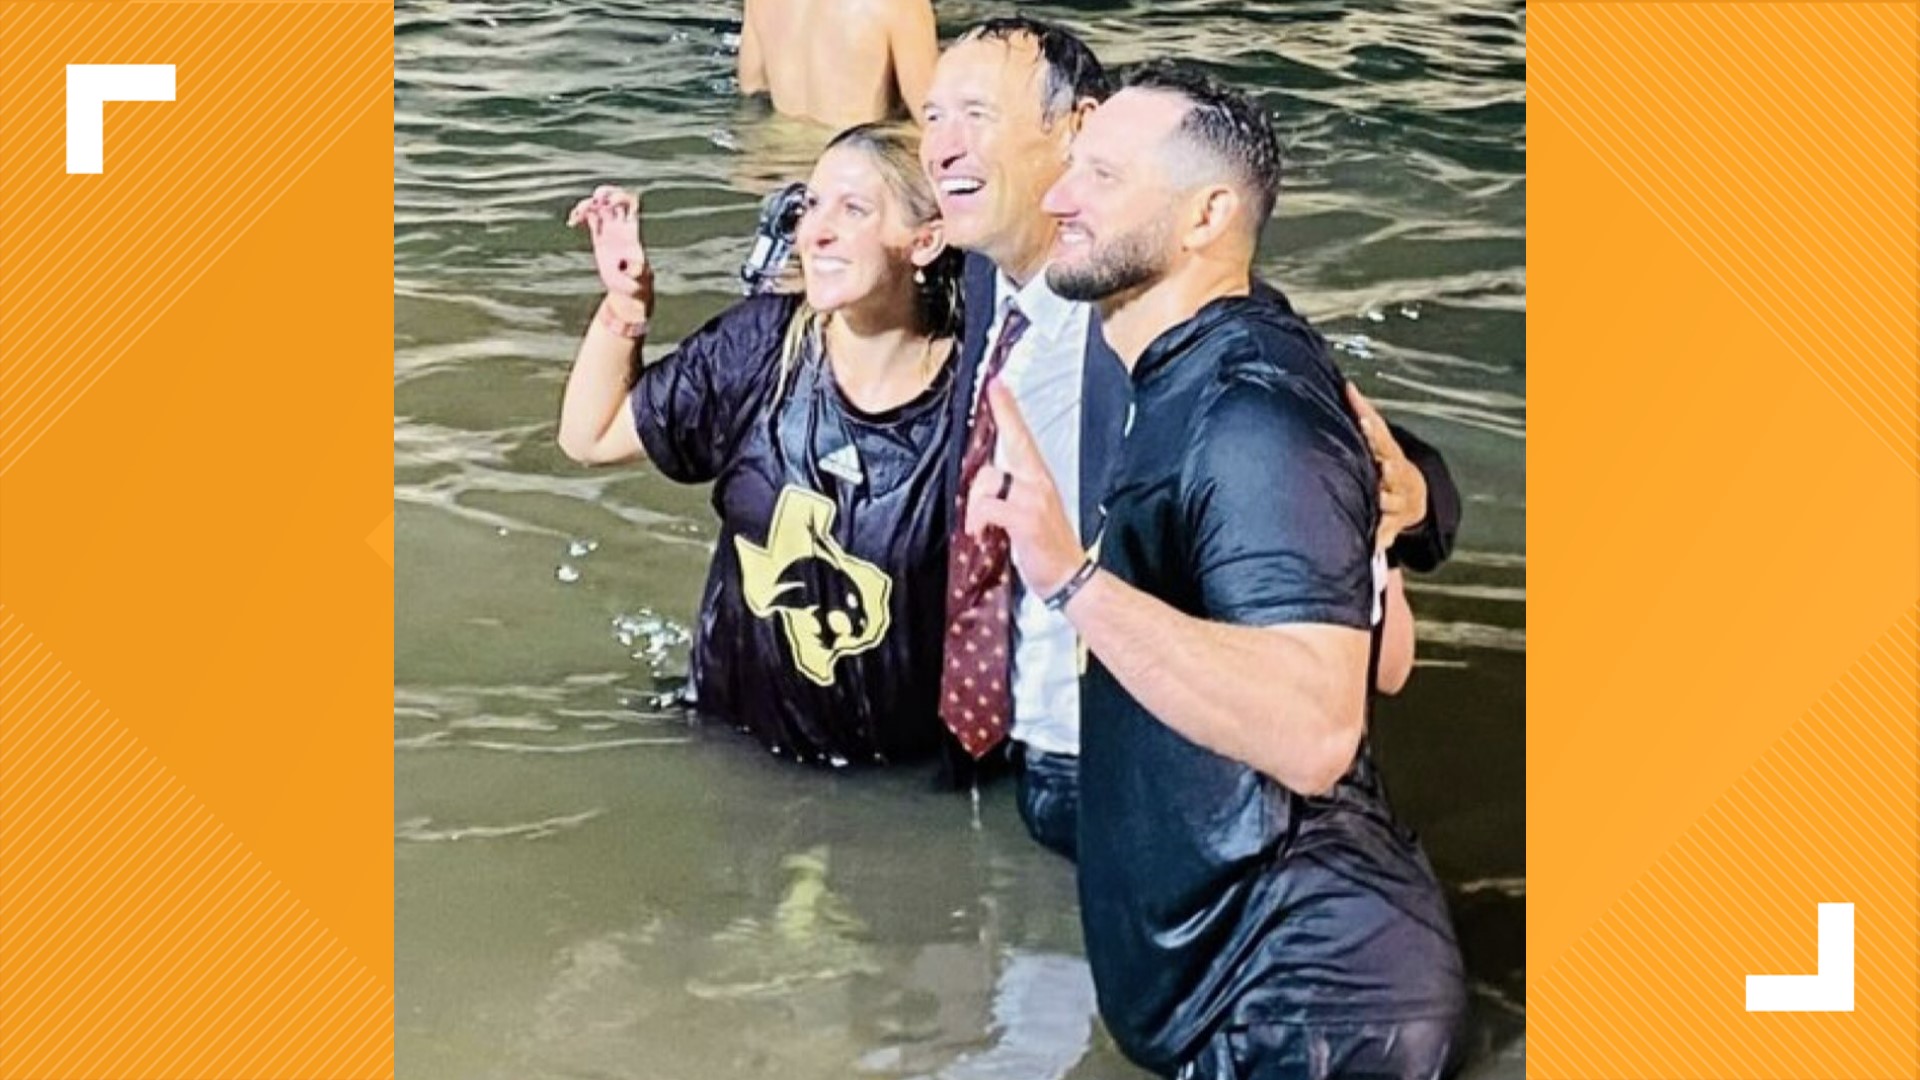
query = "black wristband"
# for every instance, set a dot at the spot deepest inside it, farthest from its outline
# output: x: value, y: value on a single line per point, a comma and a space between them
x: 1074, y: 584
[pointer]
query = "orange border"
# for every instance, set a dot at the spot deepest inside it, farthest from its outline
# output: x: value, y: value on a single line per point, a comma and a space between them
x: 195, y: 867
x: 1722, y: 512
x: 195, y: 634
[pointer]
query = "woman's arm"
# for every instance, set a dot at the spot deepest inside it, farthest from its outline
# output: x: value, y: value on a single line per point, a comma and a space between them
x: 1396, y: 637
x: 595, y: 426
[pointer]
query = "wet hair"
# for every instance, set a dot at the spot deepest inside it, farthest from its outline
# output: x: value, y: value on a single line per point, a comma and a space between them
x: 1223, y: 124
x: 895, y: 150
x: 1072, y: 71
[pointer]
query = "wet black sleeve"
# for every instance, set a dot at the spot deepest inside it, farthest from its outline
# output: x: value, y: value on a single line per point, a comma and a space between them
x: 1425, y: 546
x: 692, y: 407
x: 1280, y: 502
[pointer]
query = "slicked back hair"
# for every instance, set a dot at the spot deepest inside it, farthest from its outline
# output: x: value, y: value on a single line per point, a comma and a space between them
x: 1222, y: 122
x: 1072, y: 71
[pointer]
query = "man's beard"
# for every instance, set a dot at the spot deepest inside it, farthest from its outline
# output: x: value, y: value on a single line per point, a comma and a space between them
x: 1133, y: 260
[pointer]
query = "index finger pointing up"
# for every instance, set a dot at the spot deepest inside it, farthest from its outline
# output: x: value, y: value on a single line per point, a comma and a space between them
x: 1017, y: 447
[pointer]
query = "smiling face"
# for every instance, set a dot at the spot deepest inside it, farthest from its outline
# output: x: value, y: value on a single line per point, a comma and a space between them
x: 856, y: 239
x: 988, y: 150
x: 1117, y: 207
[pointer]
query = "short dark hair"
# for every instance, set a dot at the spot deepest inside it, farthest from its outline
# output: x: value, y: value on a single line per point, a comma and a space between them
x: 1073, y: 72
x: 1223, y: 122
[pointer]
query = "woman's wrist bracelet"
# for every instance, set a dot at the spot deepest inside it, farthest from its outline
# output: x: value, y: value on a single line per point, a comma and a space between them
x: 1078, y: 581
x: 626, y: 328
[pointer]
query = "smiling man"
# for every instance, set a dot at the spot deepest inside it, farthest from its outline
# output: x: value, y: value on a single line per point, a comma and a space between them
x: 1007, y: 98
x: 1005, y: 102
x: 1250, y: 905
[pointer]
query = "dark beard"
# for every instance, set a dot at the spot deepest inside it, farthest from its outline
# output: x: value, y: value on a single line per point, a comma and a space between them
x: 1127, y: 263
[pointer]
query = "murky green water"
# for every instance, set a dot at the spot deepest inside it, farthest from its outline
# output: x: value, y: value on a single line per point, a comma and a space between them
x: 590, y: 885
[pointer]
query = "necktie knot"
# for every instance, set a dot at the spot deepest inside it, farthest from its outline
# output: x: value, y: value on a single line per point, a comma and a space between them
x: 1013, y: 326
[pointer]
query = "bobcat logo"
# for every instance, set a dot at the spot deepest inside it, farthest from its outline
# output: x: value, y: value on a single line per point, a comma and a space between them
x: 829, y: 603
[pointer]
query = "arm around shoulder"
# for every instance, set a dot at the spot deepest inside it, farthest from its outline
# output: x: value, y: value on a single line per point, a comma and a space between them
x: 1428, y: 544
x: 1272, y: 668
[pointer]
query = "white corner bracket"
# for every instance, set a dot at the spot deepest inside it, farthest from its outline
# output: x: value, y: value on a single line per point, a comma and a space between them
x: 1829, y: 991
x: 89, y: 88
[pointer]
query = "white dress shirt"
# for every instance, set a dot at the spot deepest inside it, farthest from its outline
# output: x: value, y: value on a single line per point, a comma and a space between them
x: 1044, y: 372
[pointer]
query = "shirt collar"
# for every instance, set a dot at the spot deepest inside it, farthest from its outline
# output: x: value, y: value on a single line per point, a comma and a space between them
x: 1046, y: 310
x: 1176, y: 339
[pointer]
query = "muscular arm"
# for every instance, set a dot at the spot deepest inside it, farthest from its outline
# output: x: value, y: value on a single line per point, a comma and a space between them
x: 914, y: 45
x: 1288, y: 700
x: 1276, y: 675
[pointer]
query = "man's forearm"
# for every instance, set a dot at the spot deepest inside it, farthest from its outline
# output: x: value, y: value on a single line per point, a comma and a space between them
x: 1254, y: 694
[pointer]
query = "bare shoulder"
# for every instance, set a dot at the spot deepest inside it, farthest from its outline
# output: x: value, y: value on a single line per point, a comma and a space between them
x: 889, y: 13
x: 774, y: 16
x: 912, y: 13
x: 757, y: 12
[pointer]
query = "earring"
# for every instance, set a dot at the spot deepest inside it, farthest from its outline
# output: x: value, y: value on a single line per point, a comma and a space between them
x: 919, y: 277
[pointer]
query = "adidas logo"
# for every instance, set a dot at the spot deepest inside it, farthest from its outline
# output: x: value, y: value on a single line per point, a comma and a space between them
x: 845, y: 464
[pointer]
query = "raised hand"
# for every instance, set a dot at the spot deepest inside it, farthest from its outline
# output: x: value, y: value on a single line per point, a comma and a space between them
x: 611, y: 216
x: 1403, y: 489
x: 1045, y: 550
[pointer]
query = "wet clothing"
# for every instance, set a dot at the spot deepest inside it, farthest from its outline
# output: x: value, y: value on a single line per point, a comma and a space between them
x: 819, y: 631
x: 1048, y: 794
x: 1047, y: 717
x: 1211, y: 896
x: 1049, y: 783
x: 1046, y: 374
x: 1411, y: 1050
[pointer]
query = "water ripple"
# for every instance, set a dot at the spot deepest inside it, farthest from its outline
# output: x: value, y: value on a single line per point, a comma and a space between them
x: 421, y: 830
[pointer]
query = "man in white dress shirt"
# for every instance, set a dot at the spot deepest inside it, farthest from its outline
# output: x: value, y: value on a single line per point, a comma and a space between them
x: 1006, y: 100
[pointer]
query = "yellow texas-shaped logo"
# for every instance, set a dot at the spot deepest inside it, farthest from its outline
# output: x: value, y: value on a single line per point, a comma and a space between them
x: 829, y: 603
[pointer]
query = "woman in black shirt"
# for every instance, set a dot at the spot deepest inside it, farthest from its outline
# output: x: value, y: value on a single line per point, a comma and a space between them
x: 821, y: 420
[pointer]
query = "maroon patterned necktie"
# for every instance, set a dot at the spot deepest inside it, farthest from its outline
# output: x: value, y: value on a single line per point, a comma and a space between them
x: 976, y: 692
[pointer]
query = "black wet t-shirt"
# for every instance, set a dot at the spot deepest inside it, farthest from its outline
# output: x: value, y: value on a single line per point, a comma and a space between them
x: 1210, y: 893
x: 820, y: 628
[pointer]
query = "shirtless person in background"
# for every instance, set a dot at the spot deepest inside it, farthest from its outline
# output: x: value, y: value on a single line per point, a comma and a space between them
x: 839, y: 62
